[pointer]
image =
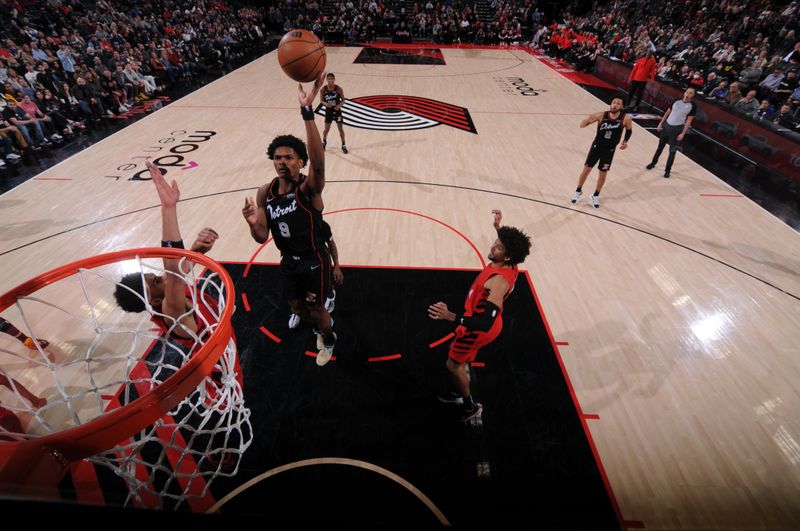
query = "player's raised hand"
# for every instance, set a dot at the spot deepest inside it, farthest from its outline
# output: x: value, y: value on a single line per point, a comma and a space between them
x: 498, y: 217
x: 307, y: 98
x: 205, y: 240
x: 167, y: 193
x: 250, y: 212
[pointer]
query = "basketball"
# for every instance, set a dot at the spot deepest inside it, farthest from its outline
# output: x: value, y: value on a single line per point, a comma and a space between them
x: 301, y: 55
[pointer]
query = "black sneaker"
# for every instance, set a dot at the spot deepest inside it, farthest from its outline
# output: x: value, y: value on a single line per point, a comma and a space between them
x: 650, y: 166
x: 468, y: 414
x: 344, y: 149
x: 666, y: 174
x: 324, y: 144
x: 450, y: 397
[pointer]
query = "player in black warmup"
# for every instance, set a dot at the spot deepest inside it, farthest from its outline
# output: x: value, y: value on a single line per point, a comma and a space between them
x: 609, y: 131
x: 290, y: 207
x: 332, y: 97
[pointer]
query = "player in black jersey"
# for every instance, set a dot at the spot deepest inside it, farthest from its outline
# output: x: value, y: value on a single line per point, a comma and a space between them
x: 332, y: 97
x: 609, y: 132
x: 290, y: 207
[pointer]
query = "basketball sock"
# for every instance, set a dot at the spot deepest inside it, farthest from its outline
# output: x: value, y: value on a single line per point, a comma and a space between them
x: 578, y: 189
x: 596, y: 192
x: 468, y: 403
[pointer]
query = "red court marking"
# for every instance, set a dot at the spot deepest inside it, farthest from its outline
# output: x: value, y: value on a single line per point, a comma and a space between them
x: 592, y: 416
x: 269, y: 334
x: 589, y: 438
x: 244, y: 301
x: 562, y: 343
x: 633, y: 524
x: 108, y: 397
x: 478, y: 364
x: 480, y: 256
x: 448, y: 337
x: 87, y: 487
x: 52, y: 178
x: 314, y: 355
x: 721, y: 195
x: 385, y: 358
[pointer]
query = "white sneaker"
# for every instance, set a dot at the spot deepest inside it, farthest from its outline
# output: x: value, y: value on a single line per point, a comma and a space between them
x: 575, y: 197
x: 320, y: 343
x: 109, y: 113
x: 294, y: 321
x: 326, y: 352
x: 122, y: 109
x: 13, y: 156
x: 2, y: 163
x: 596, y: 201
x: 56, y: 137
x: 330, y: 303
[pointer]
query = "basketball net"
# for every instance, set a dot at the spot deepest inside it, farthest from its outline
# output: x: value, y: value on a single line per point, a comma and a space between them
x: 106, y: 363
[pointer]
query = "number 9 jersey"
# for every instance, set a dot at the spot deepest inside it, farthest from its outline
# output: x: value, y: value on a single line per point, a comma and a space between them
x: 294, y: 223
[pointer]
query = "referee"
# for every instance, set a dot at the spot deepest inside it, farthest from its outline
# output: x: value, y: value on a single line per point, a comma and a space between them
x: 673, y: 127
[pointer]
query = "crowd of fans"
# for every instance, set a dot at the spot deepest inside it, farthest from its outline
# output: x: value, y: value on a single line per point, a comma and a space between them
x: 741, y: 53
x: 460, y: 21
x: 67, y: 65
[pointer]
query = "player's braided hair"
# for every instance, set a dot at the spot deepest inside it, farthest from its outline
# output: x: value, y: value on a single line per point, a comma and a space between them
x: 516, y: 242
x: 289, y: 141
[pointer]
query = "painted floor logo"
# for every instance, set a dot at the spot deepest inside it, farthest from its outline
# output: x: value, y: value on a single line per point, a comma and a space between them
x: 402, y: 113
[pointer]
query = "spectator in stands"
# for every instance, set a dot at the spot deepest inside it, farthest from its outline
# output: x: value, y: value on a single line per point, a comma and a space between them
x: 90, y: 103
x: 770, y: 83
x: 786, y: 86
x: 734, y: 94
x: 26, y: 125
x: 720, y: 92
x: 750, y: 75
x: 785, y: 117
x: 764, y: 111
x: 749, y: 104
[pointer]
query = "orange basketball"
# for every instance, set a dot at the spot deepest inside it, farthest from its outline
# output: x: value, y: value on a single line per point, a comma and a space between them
x: 301, y: 55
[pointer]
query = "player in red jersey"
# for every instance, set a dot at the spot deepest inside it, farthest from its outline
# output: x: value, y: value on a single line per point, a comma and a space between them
x: 482, y: 319
x: 10, y: 425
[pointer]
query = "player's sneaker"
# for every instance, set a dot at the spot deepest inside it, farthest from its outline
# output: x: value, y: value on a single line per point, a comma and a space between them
x: 666, y: 174
x: 596, y: 201
x: 319, y: 335
x: 651, y: 166
x: 326, y: 352
x: 450, y: 397
x: 468, y: 414
x: 324, y: 144
x: 330, y: 302
x: 344, y: 149
x: 294, y: 321
x: 575, y: 197
x: 13, y: 156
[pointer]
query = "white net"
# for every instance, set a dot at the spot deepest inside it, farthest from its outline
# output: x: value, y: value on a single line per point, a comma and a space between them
x: 100, y: 358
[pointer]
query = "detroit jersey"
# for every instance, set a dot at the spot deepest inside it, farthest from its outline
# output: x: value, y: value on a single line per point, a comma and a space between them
x: 331, y: 97
x: 609, y: 131
x: 294, y: 223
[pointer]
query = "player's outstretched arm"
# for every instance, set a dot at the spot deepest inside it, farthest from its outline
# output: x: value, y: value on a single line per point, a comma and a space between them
x: 316, y: 153
x: 592, y: 118
x: 174, y: 303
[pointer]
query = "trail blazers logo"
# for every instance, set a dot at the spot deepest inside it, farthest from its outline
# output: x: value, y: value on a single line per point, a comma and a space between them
x: 402, y: 113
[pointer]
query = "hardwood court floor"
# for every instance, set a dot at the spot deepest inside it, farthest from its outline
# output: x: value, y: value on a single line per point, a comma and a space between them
x: 676, y: 305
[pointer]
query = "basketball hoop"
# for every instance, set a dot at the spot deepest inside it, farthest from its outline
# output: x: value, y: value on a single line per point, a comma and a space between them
x: 126, y: 385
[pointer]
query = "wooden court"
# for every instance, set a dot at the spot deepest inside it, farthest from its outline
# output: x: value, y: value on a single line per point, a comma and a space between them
x: 674, y: 307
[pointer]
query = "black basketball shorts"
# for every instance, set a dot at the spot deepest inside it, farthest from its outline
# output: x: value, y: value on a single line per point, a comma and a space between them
x: 602, y: 155
x: 308, y: 280
x: 332, y: 115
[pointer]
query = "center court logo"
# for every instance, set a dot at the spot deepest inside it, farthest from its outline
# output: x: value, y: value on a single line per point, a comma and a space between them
x: 402, y: 113
x: 516, y: 86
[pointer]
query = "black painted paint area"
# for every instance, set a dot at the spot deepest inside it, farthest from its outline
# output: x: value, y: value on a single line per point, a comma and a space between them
x: 402, y: 56
x: 527, y: 462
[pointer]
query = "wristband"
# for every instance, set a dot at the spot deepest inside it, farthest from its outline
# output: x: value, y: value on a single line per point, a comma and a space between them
x: 172, y: 245
x: 307, y: 112
x: 628, y: 134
